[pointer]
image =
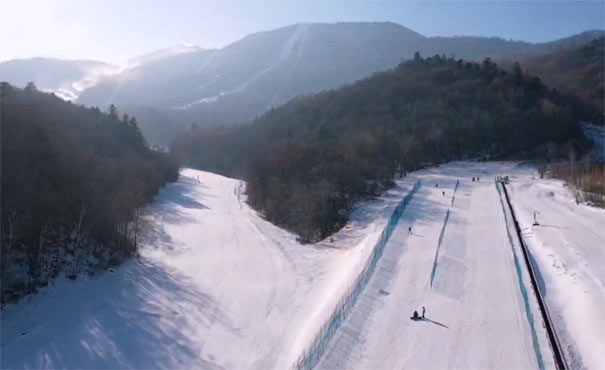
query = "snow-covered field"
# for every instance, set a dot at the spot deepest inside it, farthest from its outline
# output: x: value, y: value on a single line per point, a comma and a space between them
x: 216, y: 286
x: 569, y: 248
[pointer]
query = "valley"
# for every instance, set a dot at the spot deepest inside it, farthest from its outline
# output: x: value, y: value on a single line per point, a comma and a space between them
x: 302, y: 185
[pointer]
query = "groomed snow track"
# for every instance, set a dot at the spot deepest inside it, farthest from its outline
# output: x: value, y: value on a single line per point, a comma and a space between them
x: 312, y: 355
x: 555, y: 344
x: 365, y: 328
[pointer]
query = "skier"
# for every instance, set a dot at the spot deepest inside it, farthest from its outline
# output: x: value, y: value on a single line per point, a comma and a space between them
x: 473, y: 179
x: 409, y: 230
x: 477, y: 179
x: 415, y: 315
x: 423, y: 310
x: 436, y: 185
x: 443, y: 193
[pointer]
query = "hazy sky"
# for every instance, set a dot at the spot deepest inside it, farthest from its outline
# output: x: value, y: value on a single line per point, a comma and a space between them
x: 114, y: 30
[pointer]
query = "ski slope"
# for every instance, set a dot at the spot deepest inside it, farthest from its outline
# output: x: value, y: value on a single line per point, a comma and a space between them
x: 215, y: 286
x: 476, y: 313
x: 568, y: 246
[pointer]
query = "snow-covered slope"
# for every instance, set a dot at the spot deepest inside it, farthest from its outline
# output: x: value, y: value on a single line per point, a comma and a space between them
x: 477, y: 315
x: 569, y: 248
x: 215, y: 287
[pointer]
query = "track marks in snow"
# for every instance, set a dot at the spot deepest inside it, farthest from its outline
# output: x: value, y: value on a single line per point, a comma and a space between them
x: 567, y: 247
x: 475, y: 308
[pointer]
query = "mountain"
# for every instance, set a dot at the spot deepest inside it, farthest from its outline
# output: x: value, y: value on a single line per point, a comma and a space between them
x: 264, y: 70
x: 169, y: 91
x: 578, y: 70
x: 72, y: 180
x: 64, y: 77
x: 307, y: 162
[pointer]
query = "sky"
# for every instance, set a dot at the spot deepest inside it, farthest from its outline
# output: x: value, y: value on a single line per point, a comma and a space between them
x: 116, y: 30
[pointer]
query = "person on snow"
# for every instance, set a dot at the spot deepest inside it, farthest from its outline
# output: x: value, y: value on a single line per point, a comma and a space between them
x: 409, y: 230
x: 423, y: 310
x: 443, y: 193
x: 473, y: 179
x: 415, y: 315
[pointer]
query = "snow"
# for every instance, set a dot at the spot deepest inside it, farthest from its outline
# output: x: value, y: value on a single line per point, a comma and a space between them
x: 476, y: 312
x: 568, y: 246
x: 216, y: 286
x: 284, y: 55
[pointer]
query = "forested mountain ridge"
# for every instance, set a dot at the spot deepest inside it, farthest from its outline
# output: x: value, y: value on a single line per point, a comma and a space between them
x: 266, y: 69
x: 172, y: 89
x: 310, y: 160
x: 578, y: 71
x: 73, y: 178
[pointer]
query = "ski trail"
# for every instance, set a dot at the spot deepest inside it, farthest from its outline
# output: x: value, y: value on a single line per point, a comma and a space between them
x: 284, y: 55
x: 475, y: 316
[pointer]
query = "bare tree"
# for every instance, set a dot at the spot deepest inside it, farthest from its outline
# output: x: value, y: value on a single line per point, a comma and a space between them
x: 572, y: 157
x: 79, y: 233
x: 136, y: 223
x: 35, y: 272
x: 7, y: 244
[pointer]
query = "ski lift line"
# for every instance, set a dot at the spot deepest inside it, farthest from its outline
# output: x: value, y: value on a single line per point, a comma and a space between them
x: 555, y: 344
x: 447, y: 216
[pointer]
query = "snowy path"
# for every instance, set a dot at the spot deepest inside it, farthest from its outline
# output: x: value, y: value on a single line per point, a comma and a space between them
x: 215, y: 287
x: 569, y: 248
x: 475, y: 309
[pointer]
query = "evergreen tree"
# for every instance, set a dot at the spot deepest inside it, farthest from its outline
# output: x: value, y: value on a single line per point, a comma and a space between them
x: 113, y: 112
x: 31, y: 87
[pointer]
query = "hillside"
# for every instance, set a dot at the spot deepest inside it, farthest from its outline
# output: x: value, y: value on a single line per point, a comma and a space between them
x: 173, y: 88
x: 245, y: 79
x: 578, y: 71
x: 72, y: 180
x: 264, y: 70
x: 67, y: 78
x: 309, y: 161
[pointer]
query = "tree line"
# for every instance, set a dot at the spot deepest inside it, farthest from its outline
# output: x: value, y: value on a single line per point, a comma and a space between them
x: 73, y: 181
x: 309, y: 161
x: 579, y: 71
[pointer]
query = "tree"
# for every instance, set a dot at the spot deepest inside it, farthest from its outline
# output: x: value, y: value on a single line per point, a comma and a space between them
x: 64, y: 171
x: 79, y: 230
x: 8, y: 239
x: 31, y: 87
x: 517, y: 73
x: 113, y: 112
